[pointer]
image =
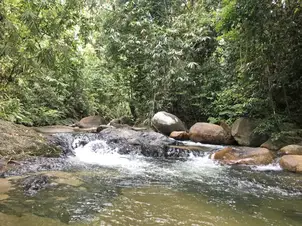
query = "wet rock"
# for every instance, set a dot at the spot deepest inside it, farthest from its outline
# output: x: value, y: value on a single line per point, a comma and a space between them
x: 291, y: 150
x: 180, y: 135
x: 179, y: 151
x: 210, y: 133
x: 243, y: 133
x: 244, y: 155
x: 33, y: 184
x: 166, y: 123
x: 291, y: 163
x: 91, y: 121
x: 127, y: 140
x: 37, y: 164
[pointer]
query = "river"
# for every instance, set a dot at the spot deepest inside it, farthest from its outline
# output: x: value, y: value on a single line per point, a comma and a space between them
x: 102, y: 187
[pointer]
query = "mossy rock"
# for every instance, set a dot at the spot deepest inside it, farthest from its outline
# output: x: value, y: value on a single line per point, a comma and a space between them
x: 19, y: 142
x: 283, y: 139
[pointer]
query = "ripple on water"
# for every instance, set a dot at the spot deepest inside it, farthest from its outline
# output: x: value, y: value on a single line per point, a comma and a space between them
x: 132, y: 189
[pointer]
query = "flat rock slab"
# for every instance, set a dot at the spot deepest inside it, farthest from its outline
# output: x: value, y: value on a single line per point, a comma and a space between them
x: 48, y: 130
x: 54, y: 129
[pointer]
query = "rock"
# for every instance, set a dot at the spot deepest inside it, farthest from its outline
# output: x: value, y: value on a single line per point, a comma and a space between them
x: 54, y: 129
x: 2, y: 165
x: 283, y: 139
x: 210, y: 133
x: 142, y: 122
x: 243, y: 133
x: 272, y: 145
x: 102, y: 127
x: 91, y: 121
x: 166, y: 123
x: 147, y: 143
x: 146, y: 129
x: 86, y: 130
x: 19, y: 142
x: 244, y: 155
x: 226, y: 127
x: 291, y: 150
x: 291, y: 163
x: 32, y: 184
x: 124, y: 120
x: 127, y: 140
x: 32, y: 165
x: 180, y: 135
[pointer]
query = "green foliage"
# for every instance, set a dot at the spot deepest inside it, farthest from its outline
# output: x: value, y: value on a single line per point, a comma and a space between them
x: 262, y: 44
x: 161, y: 60
x: 40, y: 61
x: 215, y: 60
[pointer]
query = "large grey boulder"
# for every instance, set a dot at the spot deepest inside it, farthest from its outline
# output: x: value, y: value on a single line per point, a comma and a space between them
x: 127, y: 141
x: 243, y: 133
x: 166, y: 123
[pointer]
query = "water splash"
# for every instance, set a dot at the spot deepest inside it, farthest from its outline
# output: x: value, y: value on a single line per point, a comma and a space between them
x: 270, y: 167
x: 201, y: 170
x: 99, y: 153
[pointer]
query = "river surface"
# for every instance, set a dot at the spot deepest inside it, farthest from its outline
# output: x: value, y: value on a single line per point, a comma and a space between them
x: 103, y: 187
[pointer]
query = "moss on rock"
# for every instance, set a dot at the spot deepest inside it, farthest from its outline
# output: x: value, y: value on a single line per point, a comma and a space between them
x: 19, y: 142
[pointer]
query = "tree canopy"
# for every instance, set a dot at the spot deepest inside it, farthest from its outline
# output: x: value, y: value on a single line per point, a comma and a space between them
x: 201, y: 60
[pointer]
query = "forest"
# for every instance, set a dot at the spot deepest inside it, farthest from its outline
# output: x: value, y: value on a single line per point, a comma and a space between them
x: 202, y: 60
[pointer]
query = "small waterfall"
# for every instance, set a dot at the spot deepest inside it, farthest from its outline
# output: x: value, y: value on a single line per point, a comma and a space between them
x: 98, y: 152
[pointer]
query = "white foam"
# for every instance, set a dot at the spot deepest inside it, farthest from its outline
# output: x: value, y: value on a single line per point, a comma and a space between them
x: 270, y: 167
x: 198, y: 144
x: 199, y: 169
x: 99, y: 153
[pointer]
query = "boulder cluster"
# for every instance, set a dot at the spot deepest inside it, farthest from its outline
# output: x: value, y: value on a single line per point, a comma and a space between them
x: 245, y: 146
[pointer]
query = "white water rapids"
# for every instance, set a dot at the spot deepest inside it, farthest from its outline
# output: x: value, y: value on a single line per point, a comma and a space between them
x: 99, y: 153
x: 195, y: 169
x: 106, y: 187
x: 210, y: 175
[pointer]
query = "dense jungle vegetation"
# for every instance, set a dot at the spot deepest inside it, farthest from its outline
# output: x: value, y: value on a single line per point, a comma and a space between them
x: 199, y: 59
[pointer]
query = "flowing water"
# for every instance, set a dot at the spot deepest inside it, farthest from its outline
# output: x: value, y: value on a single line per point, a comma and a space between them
x: 103, y: 187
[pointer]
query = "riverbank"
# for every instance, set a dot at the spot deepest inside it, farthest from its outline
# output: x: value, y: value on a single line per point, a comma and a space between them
x: 19, y: 142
